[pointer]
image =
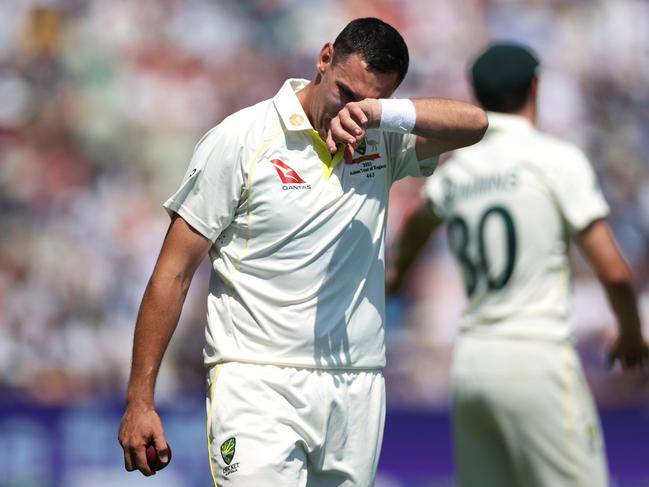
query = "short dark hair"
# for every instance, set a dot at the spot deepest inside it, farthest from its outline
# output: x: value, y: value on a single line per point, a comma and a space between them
x: 508, y: 102
x: 502, y: 76
x: 380, y: 45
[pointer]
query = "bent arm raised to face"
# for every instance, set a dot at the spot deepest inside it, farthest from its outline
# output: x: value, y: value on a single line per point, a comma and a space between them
x: 182, y: 251
x: 440, y: 125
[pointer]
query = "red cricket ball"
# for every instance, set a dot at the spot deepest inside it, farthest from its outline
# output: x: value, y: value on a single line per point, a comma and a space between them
x: 152, y: 458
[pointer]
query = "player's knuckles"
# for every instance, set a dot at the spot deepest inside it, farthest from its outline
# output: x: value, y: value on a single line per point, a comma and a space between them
x: 353, y: 107
x: 340, y: 134
x: 348, y: 120
x: 357, y: 112
x: 134, y: 443
x: 349, y: 124
x: 346, y: 114
x: 126, y: 435
x: 336, y: 124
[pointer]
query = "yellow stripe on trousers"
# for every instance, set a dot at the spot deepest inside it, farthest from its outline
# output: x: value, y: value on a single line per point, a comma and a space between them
x: 570, y: 412
x: 209, y: 420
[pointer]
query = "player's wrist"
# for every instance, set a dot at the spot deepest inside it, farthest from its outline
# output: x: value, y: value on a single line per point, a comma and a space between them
x: 630, y: 336
x: 397, y: 115
x: 371, y: 108
x: 139, y: 400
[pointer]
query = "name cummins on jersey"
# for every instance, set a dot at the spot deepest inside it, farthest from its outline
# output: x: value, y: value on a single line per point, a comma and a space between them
x: 512, y: 203
x: 298, y: 253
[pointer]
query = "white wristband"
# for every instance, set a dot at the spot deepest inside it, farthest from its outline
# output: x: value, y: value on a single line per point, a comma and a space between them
x: 397, y: 115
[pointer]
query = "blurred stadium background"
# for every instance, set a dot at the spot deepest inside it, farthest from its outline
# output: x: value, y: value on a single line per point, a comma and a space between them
x: 101, y: 103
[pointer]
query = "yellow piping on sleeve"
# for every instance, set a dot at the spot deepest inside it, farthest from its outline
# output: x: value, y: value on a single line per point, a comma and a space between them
x: 237, y: 263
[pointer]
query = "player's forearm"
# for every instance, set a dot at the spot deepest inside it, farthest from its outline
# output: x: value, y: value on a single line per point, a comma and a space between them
x: 156, y: 322
x: 440, y: 125
x: 601, y: 250
x: 451, y: 120
x: 437, y: 118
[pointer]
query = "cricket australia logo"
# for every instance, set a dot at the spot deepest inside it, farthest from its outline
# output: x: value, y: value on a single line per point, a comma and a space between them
x: 227, y: 453
x: 227, y: 449
x: 289, y: 176
x: 361, y: 147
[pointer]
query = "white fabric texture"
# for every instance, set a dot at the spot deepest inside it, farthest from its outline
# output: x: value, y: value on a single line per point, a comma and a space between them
x: 298, y: 255
x: 523, y: 415
x: 294, y: 427
x: 512, y: 203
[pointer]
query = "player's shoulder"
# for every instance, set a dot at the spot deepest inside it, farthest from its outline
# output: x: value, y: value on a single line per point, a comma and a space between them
x: 557, y: 157
x: 243, y: 120
x: 239, y: 126
x: 560, y: 148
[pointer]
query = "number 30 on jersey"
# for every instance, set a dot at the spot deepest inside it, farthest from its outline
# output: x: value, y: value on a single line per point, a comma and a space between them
x: 477, y: 269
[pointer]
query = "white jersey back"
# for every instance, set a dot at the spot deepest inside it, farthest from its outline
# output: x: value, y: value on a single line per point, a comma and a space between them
x: 512, y: 203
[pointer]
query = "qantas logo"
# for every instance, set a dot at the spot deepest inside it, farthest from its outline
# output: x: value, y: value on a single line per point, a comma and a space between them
x: 289, y: 176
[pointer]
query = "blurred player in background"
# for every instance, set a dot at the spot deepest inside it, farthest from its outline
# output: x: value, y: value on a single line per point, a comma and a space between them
x: 289, y: 198
x: 523, y: 415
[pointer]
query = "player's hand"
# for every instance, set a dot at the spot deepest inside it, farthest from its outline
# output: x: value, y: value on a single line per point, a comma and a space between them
x: 349, y: 125
x: 140, y: 427
x: 631, y: 352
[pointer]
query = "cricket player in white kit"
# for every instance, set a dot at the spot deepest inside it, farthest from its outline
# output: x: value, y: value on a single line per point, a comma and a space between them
x: 523, y: 414
x: 289, y: 198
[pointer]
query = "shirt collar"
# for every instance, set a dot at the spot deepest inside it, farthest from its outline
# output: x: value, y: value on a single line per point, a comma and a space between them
x: 289, y: 107
x: 507, y: 122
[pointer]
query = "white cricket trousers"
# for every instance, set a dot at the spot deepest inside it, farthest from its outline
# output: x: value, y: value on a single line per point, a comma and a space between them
x: 523, y: 416
x: 270, y: 426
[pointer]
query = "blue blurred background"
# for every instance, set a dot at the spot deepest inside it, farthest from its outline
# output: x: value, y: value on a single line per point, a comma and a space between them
x: 101, y: 103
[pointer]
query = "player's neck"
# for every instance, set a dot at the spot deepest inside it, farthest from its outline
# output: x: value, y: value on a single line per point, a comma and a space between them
x: 528, y: 111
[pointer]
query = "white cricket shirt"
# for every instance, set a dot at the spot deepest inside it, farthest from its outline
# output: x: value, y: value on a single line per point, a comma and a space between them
x: 512, y: 203
x: 298, y: 265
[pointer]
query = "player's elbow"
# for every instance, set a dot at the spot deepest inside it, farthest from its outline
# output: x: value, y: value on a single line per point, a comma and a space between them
x: 616, y: 276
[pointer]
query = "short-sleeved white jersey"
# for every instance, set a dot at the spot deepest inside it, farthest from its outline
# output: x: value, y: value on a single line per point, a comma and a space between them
x: 512, y: 203
x: 298, y: 265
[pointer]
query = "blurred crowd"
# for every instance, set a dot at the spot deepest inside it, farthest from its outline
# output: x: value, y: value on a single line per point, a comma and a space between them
x: 102, y: 102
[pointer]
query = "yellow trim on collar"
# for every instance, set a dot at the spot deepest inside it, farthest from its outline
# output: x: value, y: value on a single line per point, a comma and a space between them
x: 328, y: 163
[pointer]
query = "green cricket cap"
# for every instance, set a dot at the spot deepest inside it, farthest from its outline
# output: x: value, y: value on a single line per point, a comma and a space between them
x: 503, y: 67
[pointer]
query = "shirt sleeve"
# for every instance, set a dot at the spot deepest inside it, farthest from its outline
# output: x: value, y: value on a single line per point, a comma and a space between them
x: 403, y: 158
x: 577, y: 191
x: 211, y: 189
